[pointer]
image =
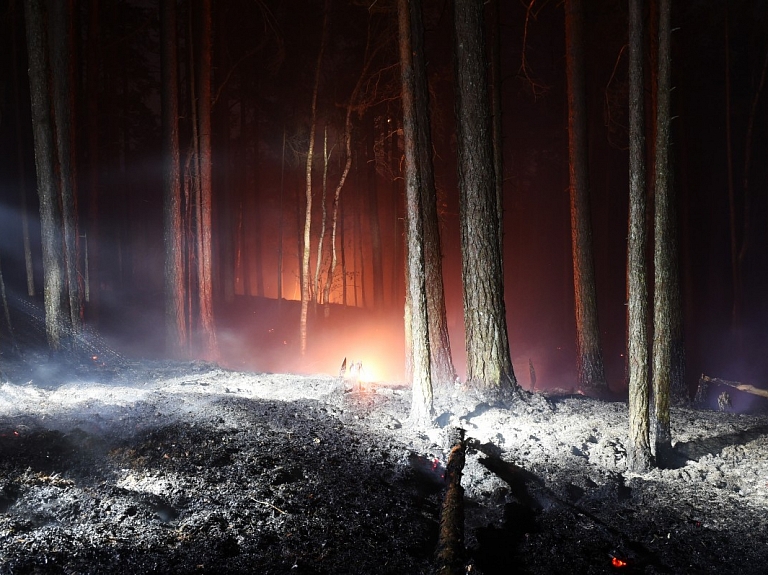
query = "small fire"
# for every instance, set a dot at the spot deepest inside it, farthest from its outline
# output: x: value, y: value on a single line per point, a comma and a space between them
x: 618, y: 563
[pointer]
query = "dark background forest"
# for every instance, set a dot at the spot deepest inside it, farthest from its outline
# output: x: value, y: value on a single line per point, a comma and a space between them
x: 264, y: 55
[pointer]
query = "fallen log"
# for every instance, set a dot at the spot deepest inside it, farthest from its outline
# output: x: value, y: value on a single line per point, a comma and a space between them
x: 450, y: 555
x: 705, y: 381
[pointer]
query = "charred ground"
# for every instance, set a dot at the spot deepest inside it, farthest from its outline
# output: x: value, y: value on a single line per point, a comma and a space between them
x: 189, y: 468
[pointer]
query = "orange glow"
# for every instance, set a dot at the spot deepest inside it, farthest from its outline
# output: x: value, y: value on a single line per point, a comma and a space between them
x: 616, y: 562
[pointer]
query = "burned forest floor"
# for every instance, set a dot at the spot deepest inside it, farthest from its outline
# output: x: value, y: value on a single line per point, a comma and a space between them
x: 160, y: 467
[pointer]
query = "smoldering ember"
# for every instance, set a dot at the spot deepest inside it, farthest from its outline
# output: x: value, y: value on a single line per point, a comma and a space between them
x: 383, y: 286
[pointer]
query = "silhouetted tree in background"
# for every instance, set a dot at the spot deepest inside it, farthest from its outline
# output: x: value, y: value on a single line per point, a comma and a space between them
x: 591, y: 372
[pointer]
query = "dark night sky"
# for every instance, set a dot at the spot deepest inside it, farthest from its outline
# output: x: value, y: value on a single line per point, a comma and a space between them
x: 264, y: 55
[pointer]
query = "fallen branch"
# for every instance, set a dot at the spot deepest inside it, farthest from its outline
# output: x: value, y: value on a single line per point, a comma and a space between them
x: 450, y: 544
x: 706, y: 381
x: 267, y: 503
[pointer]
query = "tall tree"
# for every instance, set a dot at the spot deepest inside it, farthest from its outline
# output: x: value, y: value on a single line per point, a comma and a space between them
x: 639, y: 450
x: 442, y: 369
x: 664, y: 258
x: 591, y: 372
x: 305, y: 277
x: 54, y: 281
x: 210, y: 347
x: 489, y: 366
x: 175, y: 292
x: 421, y: 405
x: 20, y: 165
x: 60, y: 48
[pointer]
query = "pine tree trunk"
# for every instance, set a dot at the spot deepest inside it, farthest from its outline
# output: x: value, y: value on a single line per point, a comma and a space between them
x: 638, y: 450
x: 421, y: 405
x: 442, y: 370
x: 663, y: 258
x: 20, y: 166
x: 50, y: 214
x: 60, y: 47
x: 489, y: 367
x: 373, y: 219
x: 589, y: 353
x: 175, y: 289
x: 93, y: 262
x: 210, y: 347
x: 495, y: 91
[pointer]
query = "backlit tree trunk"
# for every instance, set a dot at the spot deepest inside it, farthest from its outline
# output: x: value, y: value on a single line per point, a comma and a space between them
x: 421, y: 405
x: 589, y: 353
x: 175, y: 321
x: 50, y: 214
x: 210, y: 347
x: 638, y: 450
x: 308, y: 212
x: 442, y: 369
x: 663, y: 257
x: 373, y: 219
x: 489, y: 367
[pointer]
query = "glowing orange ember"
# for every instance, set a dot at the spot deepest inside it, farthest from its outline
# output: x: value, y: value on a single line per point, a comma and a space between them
x: 616, y: 562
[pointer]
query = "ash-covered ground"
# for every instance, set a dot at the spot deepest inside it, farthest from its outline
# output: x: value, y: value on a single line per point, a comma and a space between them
x: 189, y: 468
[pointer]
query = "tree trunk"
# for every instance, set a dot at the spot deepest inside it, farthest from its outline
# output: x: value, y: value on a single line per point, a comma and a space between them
x: 589, y: 353
x: 210, y: 347
x: 175, y: 289
x: 316, y: 291
x: 280, y: 228
x: 421, y: 404
x: 442, y: 370
x: 639, y: 450
x: 20, y: 165
x: 50, y: 214
x: 373, y: 219
x: 489, y: 367
x: 662, y: 255
x: 93, y: 262
x: 60, y: 47
x: 308, y: 212
x: 495, y: 91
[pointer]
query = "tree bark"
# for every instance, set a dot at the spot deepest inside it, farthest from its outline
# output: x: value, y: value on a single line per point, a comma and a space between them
x: 50, y: 214
x: 663, y: 258
x: 591, y: 372
x: 175, y: 289
x: 450, y: 543
x: 421, y: 405
x: 442, y: 369
x: 495, y: 92
x: 639, y: 450
x: 489, y: 367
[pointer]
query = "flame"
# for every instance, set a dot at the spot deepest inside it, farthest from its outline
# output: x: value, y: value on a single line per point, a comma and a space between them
x: 616, y: 562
